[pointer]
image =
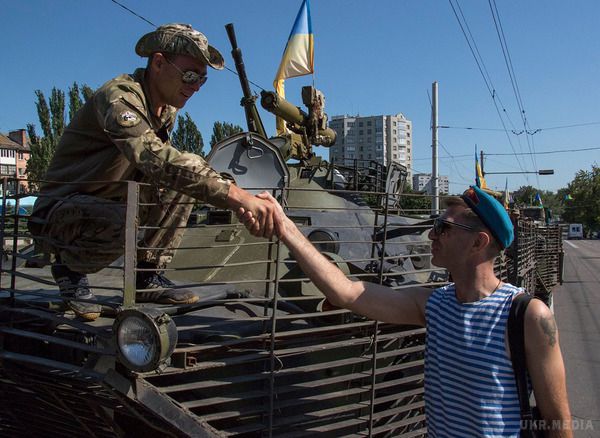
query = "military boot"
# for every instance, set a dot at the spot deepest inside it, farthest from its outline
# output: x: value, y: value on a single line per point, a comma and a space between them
x: 75, y: 286
x: 154, y: 287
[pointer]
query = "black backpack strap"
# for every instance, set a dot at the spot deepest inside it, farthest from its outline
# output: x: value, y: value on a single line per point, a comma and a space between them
x: 516, y: 342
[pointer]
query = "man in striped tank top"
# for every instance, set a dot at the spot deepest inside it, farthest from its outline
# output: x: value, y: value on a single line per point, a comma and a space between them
x: 470, y: 389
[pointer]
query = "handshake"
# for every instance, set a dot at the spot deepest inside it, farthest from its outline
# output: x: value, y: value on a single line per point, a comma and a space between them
x: 263, y: 216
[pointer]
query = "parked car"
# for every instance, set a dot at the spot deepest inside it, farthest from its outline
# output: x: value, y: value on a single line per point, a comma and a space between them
x: 575, y: 231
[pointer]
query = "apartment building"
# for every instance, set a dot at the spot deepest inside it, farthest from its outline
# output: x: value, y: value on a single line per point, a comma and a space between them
x: 14, y: 153
x: 383, y: 138
x: 422, y: 183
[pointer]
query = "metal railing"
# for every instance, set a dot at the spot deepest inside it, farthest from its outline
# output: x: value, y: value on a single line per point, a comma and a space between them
x: 260, y: 354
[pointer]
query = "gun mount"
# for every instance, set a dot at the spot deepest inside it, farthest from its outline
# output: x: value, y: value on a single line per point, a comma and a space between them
x: 305, y: 129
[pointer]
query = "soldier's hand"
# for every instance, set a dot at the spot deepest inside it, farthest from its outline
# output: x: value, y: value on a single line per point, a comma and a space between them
x: 275, y: 223
x: 259, y: 214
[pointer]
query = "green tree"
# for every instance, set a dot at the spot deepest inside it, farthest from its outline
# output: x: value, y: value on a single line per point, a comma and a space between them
x: 525, y: 196
x: 87, y: 92
x: 223, y: 130
x: 414, y: 202
x: 51, y: 114
x: 187, y: 137
x: 584, y: 208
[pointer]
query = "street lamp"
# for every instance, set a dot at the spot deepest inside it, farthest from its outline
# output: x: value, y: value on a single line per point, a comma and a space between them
x: 539, y: 172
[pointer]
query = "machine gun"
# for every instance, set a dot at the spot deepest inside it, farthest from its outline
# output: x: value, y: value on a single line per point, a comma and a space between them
x: 305, y: 129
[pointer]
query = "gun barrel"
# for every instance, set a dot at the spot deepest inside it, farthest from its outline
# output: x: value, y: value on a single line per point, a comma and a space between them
x: 277, y: 105
x: 252, y: 117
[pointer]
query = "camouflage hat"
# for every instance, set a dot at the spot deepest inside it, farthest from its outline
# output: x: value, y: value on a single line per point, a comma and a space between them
x: 180, y: 39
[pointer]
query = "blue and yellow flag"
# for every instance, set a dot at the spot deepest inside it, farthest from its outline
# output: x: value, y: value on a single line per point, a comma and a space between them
x: 479, y: 179
x: 568, y: 197
x: 298, y: 56
x: 538, y: 199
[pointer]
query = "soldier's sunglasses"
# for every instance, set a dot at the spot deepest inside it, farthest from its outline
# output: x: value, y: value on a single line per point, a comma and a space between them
x: 440, y: 225
x: 189, y: 77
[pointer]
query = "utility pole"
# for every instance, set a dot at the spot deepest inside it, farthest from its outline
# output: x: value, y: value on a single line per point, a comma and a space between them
x: 482, y: 168
x: 435, y: 202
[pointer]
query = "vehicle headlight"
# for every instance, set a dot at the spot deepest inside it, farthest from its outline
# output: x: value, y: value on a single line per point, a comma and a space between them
x: 324, y: 241
x: 145, y: 338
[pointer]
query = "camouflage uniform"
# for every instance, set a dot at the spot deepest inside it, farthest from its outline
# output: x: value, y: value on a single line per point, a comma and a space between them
x: 80, y: 213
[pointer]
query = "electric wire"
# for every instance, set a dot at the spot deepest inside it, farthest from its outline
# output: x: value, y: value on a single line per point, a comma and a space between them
x: 134, y: 13
x: 154, y: 25
x: 559, y: 151
x: 519, y: 132
x: 513, y: 80
x: 480, y: 63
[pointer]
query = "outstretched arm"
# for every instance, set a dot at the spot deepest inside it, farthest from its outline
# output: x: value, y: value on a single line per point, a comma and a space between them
x: 547, y: 370
x: 406, y: 306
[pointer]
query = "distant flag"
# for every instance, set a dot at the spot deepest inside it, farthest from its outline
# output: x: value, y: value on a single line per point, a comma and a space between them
x: 538, y: 199
x: 298, y: 56
x: 479, y: 179
x: 568, y: 197
x: 506, y: 200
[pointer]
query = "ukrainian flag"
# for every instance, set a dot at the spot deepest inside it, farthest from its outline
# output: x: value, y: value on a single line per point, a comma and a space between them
x: 298, y: 56
x: 479, y: 179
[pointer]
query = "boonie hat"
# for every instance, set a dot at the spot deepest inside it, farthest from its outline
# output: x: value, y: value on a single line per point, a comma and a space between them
x: 492, y: 214
x: 180, y: 39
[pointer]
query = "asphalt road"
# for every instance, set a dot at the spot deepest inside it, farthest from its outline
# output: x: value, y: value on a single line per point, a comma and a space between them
x: 577, y: 311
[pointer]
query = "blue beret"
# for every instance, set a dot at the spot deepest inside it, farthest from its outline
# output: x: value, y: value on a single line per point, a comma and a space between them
x: 492, y: 214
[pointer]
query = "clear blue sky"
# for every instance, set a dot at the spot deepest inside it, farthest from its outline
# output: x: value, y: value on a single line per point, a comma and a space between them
x: 371, y: 57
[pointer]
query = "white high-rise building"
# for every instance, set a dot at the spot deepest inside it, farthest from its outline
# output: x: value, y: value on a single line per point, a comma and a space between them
x: 422, y: 182
x: 380, y: 138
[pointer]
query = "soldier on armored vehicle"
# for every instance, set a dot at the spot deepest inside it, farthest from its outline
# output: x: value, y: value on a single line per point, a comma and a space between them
x: 122, y: 133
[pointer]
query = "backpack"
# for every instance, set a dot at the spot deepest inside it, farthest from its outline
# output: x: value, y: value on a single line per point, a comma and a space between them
x: 531, y: 423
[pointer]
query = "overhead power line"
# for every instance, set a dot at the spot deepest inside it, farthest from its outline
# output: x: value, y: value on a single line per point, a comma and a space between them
x: 470, y: 156
x: 484, y: 74
x: 552, y: 152
x: 152, y: 24
x: 569, y: 126
x: 531, y: 131
x: 134, y: 13
x: 513, y: 79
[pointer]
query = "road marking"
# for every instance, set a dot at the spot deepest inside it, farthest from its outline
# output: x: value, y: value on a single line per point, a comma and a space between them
x: 572, y: 244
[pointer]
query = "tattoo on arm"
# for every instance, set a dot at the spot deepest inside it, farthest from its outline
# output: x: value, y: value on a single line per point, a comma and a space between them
x: 549, y: 327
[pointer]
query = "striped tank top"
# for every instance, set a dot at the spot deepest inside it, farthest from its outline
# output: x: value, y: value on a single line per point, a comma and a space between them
x: 470, y: 388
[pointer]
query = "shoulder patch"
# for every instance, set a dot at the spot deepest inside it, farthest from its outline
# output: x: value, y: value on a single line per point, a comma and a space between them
x: 128, y: 118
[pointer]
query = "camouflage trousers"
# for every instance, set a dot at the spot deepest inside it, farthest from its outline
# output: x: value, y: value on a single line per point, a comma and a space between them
x: 88, y: 233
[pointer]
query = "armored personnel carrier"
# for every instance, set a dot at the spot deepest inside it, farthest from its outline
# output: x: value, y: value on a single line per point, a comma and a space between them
x: 260, y: 354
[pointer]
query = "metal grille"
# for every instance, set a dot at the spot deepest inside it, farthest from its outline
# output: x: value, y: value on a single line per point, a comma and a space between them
x: 260, y: 355
x: 522, y: 253
x: 340, y: 380
x: 548, y: 253
x: 58, y: 404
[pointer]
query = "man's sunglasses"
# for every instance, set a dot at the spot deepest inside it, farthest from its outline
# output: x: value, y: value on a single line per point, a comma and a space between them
x: 189, y: 77
x: 440, y: 225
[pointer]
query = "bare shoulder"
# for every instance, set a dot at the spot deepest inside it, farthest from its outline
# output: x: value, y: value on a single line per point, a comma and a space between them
x: 540, y: 325
x: 419, y: 294
x: 398, y: 306
x: 423, y: 293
